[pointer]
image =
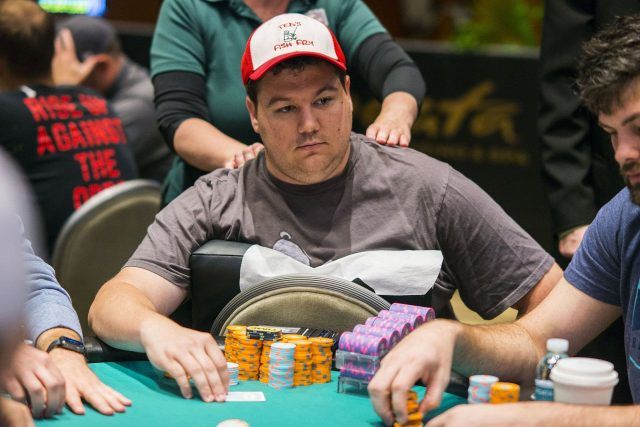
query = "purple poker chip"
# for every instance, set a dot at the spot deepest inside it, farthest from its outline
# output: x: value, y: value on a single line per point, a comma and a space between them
x: 414, y: 318
x: 402, y: 326
x: 370, y: 345
x: 427, y: 313
x: 392, y: 335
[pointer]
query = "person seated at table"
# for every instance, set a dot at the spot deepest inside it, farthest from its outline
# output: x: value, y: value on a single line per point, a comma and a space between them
x: 66, y: 139
x: 330, y: 193
x: 30, y: 295
x: 601, y: 283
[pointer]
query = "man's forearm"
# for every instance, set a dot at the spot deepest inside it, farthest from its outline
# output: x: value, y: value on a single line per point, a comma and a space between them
x: 203, y: 146
x: 507, y: 351
x: 564, y: 415
x: 118, y: 313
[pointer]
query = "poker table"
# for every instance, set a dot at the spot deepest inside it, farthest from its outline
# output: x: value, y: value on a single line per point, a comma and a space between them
x: 157, y: 402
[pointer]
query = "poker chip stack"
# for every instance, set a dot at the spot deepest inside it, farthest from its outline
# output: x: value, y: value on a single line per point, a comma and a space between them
x: 414, y: 319
x: 233, y: 333
x: 321, y: 356
x: 480, y: 388
x: 414, y: 416
x: 427, y: 313
x: 292, y: 337
x: 248, y: 358
x: 281, y: 365
x: 233, y: 373
x: 502, y: 392
x: 264, y: 361
x: 375, y: 347
x: 303, y: 363
x: 403, y: 327
x: 391, y: 335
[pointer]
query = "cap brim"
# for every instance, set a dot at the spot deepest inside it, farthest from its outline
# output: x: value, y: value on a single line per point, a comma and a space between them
x: 260, y: 71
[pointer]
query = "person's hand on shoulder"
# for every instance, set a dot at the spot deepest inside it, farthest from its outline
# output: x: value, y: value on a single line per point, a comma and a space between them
x: 14, y: 414
x: 393, y: 124
x: 186, y: 354
x: 66, y: 69
x: 425, y: 354
x: 82, y: 383
x: 34, y: 379
x: 569, y: 244
x: 241, y: 157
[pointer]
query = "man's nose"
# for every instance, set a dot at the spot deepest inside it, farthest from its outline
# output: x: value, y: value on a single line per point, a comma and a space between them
x: 308, y: 121
x: 628, y: 149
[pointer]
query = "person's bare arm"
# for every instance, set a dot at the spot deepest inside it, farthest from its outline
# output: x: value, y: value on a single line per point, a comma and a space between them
x: 540, y: 291
x: 509, y: 351
x: 204, y: 146
x: 536, y: 413
x: 147, y: 299
x: 393, y: 124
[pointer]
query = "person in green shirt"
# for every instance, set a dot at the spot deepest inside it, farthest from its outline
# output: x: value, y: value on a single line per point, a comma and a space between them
x: 200, y: 98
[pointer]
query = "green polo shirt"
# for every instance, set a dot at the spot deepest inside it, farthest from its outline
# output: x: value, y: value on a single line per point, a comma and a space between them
x: 207, y: 37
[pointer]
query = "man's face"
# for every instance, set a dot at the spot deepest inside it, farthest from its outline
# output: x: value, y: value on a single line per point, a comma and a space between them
x: 304, y: 119
x: 623, y: 125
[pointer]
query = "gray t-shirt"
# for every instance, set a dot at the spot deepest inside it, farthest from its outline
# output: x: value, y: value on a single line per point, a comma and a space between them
x: 387, y: 198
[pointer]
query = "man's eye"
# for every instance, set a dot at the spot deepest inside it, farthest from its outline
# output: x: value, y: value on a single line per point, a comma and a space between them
x: 285, y: 109
x: 324, y: 100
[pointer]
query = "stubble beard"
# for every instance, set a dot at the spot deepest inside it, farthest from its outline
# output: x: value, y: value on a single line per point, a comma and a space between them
x: 634, y: 189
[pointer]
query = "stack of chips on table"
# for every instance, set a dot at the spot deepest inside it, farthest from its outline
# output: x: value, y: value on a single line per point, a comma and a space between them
x: 377, y: 336
x: 248, y: 358
x: 303, y: 363
x: 480, y: 388
x: 292, y: 337
x: 321, y: 356
x: 502, y: 392
x: 233, y: 373
x: 414, y: 416
x: 281, y: 363
x: 264, y: 361
x: 234, y: 332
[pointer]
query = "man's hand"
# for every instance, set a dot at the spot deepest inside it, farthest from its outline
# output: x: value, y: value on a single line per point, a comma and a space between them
x: 570, y: 243
x: 33, y: 378
x: 14, y: 414
x: 393, y: 124
x: 65, y: 67
x: 507, y: 414
x: 426, y: 354
x: 243, y: 156
x: 82, y: 383
x: 184, y: 353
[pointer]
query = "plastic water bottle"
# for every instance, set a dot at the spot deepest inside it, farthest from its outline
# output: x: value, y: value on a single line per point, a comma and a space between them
x: 556, y: 349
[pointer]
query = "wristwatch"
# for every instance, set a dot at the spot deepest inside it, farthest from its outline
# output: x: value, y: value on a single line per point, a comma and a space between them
x: 68, y: 344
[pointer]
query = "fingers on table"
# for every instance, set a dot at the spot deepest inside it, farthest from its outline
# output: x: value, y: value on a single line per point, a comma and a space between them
x: 46, y: 388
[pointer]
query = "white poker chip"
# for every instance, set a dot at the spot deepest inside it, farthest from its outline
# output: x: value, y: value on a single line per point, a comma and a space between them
x: 233, y: 423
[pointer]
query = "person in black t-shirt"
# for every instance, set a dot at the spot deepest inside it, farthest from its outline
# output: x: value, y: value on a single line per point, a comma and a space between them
x: 66, y: 139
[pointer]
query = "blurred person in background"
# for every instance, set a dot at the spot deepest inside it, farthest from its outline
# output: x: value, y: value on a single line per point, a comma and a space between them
x: 67, y: 140
x: 200, y: 97
x: 88, y: 53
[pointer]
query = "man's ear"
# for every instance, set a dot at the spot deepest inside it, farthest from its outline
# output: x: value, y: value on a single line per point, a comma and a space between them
x: 252, y: 108
x: 347, y: 88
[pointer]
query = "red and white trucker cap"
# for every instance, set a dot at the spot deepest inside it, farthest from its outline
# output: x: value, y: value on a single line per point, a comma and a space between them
x: 285, y: 36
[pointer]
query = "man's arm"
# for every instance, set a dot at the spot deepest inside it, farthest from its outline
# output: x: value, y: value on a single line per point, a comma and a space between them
x: 509, y: 351
x: 147, y: 298
x: 544, y: 414
x: 540, y: 291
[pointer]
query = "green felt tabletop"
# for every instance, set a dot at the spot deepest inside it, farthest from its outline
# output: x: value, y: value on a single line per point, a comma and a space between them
x: 157, y: 402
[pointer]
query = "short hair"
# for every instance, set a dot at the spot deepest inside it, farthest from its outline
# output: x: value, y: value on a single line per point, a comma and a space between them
x: 297, y: 63
x: 609, y: 64
x: 27, y: 37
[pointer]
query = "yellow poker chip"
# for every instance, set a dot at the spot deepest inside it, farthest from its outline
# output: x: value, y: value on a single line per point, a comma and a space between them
x: 292, y: 337
x: 321, y: 341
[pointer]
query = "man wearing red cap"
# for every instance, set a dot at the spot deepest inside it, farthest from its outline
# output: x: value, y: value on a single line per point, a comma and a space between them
x: 330, y: 194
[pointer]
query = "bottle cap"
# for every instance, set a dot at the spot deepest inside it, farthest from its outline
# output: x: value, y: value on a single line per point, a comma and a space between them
x: 557, y: 345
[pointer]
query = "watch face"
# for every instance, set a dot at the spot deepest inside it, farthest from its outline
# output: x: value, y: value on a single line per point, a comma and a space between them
x: 72, y: 341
